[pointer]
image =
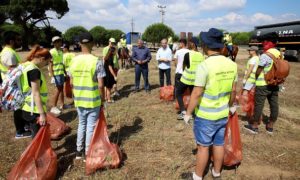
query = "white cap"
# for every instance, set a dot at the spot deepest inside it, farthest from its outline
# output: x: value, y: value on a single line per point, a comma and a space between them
x: 112, y: 40
x: 55, y: 38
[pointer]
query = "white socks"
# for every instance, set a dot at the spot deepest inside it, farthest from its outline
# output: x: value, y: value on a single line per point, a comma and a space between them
x: 214, y: 173
x: 196, y: 177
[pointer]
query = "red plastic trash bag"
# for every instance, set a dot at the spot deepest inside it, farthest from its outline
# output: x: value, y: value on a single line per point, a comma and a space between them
x: 232, y: 143
x: 186, y: 99
x: 68, y: 88
x: 38, y: 161
x: 167, y: 93
x: 247, y: 102
x: 58, y: 128
x: 102, y: 153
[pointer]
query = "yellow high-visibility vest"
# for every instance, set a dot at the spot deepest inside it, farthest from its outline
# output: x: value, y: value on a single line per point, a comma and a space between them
x: 188, y: 75
x: 213, y: 105
x: 57, y: 58
x: 85, y: 89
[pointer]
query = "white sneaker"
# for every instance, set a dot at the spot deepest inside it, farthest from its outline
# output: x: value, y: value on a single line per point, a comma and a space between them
x: 55, y: 110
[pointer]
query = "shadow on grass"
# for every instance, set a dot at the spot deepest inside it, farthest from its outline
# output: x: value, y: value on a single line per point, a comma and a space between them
x: 66, y: 158
x: 126, y: 90
x: 69, y: 116
x: 126, y: 131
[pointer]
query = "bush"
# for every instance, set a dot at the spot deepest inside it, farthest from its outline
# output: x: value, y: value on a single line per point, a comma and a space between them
x: 73, y: 32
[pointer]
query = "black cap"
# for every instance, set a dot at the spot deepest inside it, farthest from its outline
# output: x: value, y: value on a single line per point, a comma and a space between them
x: 85, y: 37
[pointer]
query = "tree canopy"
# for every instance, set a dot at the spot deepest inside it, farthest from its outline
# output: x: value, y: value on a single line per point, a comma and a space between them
x: 156, y: 32
x: 99, y: 34
x: 30, y: 13
x: 73, y: 32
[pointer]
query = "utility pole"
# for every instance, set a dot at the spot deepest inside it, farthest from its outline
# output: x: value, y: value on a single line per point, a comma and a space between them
x: 162, y: 12
x: 132, y: 25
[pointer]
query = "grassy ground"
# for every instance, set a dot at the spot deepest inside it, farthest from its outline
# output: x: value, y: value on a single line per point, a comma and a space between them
x: 157, y: 146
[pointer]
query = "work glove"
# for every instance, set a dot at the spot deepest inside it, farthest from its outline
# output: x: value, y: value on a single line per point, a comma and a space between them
x: 116, y: 79
x: 232, y: 109
x: 187, y: 118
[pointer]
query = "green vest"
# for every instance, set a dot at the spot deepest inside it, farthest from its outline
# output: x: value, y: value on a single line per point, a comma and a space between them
x: 85, y: 89
x: 3, y: 68
x: 252, y: 78
x: 123, y: 42
x: 260, y: 81
x: 57, y: 58
x: 188, y: 75
x: 29, y: 101
x: 67, y: 58
x: 228, y: 40
x: 213, y: 105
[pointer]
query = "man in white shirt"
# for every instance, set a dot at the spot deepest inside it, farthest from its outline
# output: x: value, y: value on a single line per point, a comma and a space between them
x: 164, y: 58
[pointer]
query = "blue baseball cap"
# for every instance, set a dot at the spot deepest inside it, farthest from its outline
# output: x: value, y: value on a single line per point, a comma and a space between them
x: 212, y: 39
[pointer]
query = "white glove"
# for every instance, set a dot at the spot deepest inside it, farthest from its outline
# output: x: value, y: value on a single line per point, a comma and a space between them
x: 233, y: 109
x: 187, y: 118
x: 52, y: 80
x: 116, y: 79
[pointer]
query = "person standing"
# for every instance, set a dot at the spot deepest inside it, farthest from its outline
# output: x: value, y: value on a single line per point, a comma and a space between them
x: 164, y: 58
x: 111, y: 77
x: 141, y: 56
x: 34, y: 80
x: 105, y: 55
x: 178, y: 58
x: 10, y: 59
x: 264, y: 91
x: 249, y: 77
x: 87, y: 73
x: 228, y: 42
x: 213, y: 94
x: 67, y: 57
x: 191, y: 60
x: 58, y: 72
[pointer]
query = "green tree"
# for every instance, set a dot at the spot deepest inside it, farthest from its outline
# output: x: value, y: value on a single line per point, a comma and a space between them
x: 99, y: 34
x: 73, y: 32
x: 28, y: 13
x: 113, y: 33
x: 241, y: 38
x: 156, y: 32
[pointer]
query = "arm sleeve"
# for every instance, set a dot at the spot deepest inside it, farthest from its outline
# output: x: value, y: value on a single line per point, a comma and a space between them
x: 8, y: 59
x: 263, y: 60
x: 134, y: 55
x: 100, y: 72
x: 148, y: 55
x: 33, y: 75
x: 157, y: 55
x: 170, y: 55
x: 201, y: 75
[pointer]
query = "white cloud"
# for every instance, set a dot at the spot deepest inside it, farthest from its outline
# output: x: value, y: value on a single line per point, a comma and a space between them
x: 181, y: 15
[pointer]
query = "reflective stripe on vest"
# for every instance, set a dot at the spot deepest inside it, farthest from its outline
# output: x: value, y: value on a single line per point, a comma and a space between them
x: 26, y: 88
x: 260, y: 81
x: 213, y: 105
x: 85, y: 89
x: 57, y: 58
x: 188, y: 75
x: 3, y: 68
x: 252, y: 78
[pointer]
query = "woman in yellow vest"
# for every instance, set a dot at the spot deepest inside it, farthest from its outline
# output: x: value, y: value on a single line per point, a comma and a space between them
x: 213, y: 94
x: 34, y: 86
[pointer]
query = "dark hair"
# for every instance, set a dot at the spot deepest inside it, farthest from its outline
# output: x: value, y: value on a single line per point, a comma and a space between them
x: 183, y: 41
x: 10, y: 36
x: 37, y: 51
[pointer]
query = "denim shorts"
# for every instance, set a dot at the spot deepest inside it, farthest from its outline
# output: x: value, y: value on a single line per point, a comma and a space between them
x: 208, y: 132
x: 59, y: 80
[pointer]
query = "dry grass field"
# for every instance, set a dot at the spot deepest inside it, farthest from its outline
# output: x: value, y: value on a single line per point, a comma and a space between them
x: 156, y: 145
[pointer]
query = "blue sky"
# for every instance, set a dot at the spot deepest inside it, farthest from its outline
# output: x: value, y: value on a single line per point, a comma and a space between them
x: 181, y: 15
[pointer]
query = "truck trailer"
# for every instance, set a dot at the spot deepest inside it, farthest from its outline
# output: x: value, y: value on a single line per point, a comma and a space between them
x: 288, y: 37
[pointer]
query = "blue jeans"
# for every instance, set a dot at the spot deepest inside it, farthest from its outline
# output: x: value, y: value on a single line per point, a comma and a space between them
x: 141, y: 69
x: 87, y: 122
x: 208, y: 132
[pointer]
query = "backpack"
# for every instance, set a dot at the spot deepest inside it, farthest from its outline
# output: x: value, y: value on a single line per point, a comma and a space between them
x: 11, y: 95
x: 279, y: 71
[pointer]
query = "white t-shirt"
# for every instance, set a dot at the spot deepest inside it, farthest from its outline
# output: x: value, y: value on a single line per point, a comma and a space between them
x: 179, y: 55
x: 8, y: 59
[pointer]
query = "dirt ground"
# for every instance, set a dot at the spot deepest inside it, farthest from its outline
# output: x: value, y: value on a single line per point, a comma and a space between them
x: 156, y: 145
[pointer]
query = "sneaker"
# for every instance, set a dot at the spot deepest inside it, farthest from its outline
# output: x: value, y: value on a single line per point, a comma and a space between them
x: 250, y: 129
x: 79, y: 155
x: 181, y: 116
x: 55, y: 110
x: 269, y: 130
x: 26, y: 134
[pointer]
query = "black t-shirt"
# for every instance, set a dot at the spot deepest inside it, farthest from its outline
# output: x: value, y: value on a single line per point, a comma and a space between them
x: 34, y: 75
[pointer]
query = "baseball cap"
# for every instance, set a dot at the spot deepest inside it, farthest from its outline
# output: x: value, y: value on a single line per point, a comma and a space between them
x: 55, y: 38
x: 85, y: 37
x: 253, y: 48
x: 112, y: 40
